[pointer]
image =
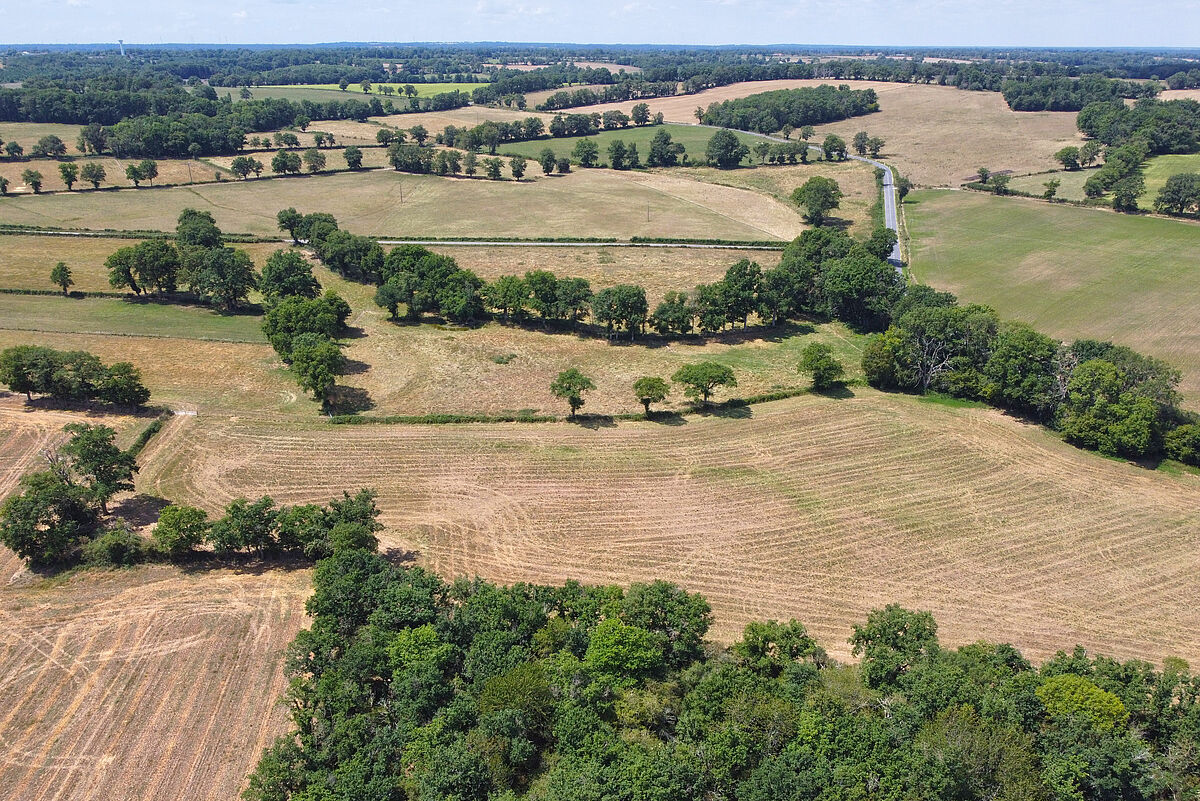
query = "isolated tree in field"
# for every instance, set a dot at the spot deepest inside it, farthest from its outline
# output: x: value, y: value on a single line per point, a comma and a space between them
x: 60, y: 276
x: 94, y: 455
x: 586, y: 152
x: 50, y: 147
x: 984, y: 174
x: 353, y: 157
x: 860, y: 142
x: 818, y: 361
x: 834, y: 148
x: 134, y: 173
x: 1051, y: 188
x: 14, y: 150
x: 725, y: 150
x: 817, y: 197
x: 314, y: 160
x: 419, y: 134
x: 242, y: 166
x: 806, y: 132
x: 317, y: 362
x: 1180, y: 194
x: 179, y: 530
x: 699, y: 114
x: 570, y: 385
x: 287, y: 274
x: 640, y: 113
x: 492, y: 167
x: 365, y: 86
x: 3, y: 186
x: 875, y: 146
x: 32, y: 179
x: 1068, y: 157
x: 663, y: 152
x: 69, y: 171
x: 148, y: 169
x: 563, y: 165
x: 516, y: 165
x: 547, y: 159
x: 700, y: 380
x: 385, y: 136
x: 650, y: 389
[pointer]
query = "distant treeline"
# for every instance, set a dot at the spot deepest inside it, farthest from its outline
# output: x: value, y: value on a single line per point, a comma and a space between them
x: 771, y: 111
x: 1172, y: 126
x: 1069, y: 94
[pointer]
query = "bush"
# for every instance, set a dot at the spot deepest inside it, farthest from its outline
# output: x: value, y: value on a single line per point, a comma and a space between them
x: 118, y: 547
x: 1183, y: 444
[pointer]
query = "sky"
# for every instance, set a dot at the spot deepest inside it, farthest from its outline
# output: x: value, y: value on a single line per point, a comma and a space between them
x: 1049, y: 23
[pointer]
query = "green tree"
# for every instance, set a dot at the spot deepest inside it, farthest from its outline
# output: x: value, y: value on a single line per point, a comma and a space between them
x: 1126, y: 192
x: 1089, y: 152
x: 148, y: 169
x: 701, y: 379
x: 834, y: 148
x: 650, y: 389
x: 226, y: 275
x: 179, y: 530
x: 1179, y: 195
x: 242, y: 166
x: 508, y: 295
x: 470, y: 160
x: 49, y: 146
x: 314, y: 160
x: 3, y: 186
x: 69, y: 171
x: 32, y: 179
x: 640, y: 113
x: 725, y: 150
x: 516, y: 165
x: 492, y: 167
x: 290, y: 220
x: 94, y: 455
x: 984, y: 174
x: 817, y: 360
x: 317, y: 362
x: 623, y: 654
x: 285, y: 163
x: 1069, y: 696
x: 1000, y: 184
x: 570, y: 385
x: 875, y: 146
x: 14, y: 150
x: 547, y: 159
x: 286, y: 274
x: 1068, y: 157
x: 419, y: 134
x: 892, y: 642
x: 60, y: 275
x: 353, y: 156
x: 860, y: 142
x: 817, y: 196
x: 586, y: 152
x: 43, y: 521
x: 1051, y: 188
x: 616, y: 154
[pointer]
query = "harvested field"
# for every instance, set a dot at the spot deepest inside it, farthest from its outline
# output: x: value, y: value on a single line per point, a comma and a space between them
x: 936, y: 135
x: 26, y: 134
x: 170, y: 171
x: 143, y: 683
x: 584, y: 203
x: 213, y: 377
x: 28, y: 260
x: 814, y: 508
x: 1069, y: 271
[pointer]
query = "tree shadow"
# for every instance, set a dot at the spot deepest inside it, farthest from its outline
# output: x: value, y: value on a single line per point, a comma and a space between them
x: 349, y: 400
x: 352, y: 332
x: 354, y: 367
x: 593, y: 421
x: 139, y: 510
x: 733, y: 410
x: 401, y: 556
x: 92, y: 408
x: 838, y: 391
x: 252, y: 564
x: 667, y: 418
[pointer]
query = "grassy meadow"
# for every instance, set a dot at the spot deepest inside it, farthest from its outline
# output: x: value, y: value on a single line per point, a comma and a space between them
x: 1071, y: 272
x: 324, y: 92
x: 693, y: 138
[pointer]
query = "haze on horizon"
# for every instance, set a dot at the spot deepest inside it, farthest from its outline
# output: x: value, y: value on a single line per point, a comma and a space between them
x: 1031, y: 23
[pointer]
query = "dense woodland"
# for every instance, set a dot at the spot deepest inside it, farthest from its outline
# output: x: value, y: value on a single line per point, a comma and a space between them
x: 406, y: 687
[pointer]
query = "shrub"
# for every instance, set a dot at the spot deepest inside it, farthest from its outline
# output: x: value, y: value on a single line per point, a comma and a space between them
x: 118, y: 547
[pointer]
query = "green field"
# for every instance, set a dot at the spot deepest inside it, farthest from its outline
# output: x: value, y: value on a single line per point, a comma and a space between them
x: 324, y: 92
x: 1155, y: 171
x: 1071, y: 272
x: 693, y: 138
x: 113, y: 316
x: 601, y: 203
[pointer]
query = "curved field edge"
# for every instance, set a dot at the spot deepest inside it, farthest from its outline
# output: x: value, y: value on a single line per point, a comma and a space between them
x: 814, y: 508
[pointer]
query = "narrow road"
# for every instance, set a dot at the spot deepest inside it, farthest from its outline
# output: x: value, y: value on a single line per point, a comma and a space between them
x: 890, y: 218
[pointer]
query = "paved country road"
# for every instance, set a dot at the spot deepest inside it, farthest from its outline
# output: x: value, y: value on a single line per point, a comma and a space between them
x: 890, y: 217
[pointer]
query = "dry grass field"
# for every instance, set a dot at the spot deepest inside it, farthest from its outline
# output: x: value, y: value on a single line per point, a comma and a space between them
x: 27, y: 260
x: 936, y: 135
x: 143, y: 684
x: 584, y: 203
x: 1071, y: 272
x: 26, y: 134
x: 814, y: 508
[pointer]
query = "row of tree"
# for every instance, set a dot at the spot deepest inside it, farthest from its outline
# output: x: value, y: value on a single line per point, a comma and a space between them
x: 1101, y: 396
x: 70, y: 375
x: 1061, y: 93
x: 405, y: 686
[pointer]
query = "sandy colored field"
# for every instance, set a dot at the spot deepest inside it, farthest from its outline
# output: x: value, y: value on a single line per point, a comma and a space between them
x: 936, y: 135
x: 584, y: 203
x: 1180, y: 94
x: 170, y: 171
x: 419, y: 369
x: 1069, y: 271
x: 26, y: 134
x: 143, y: 684
x: 813, y: 508
x: 27, y: 260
